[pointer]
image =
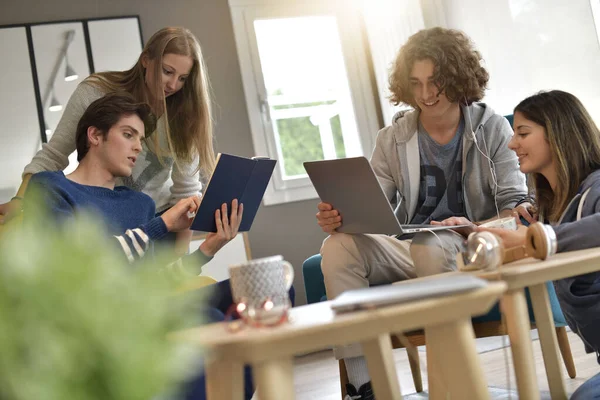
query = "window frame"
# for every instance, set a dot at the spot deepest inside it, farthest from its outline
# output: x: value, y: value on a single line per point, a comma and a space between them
x: 356, y: 61
x: 595, y: 8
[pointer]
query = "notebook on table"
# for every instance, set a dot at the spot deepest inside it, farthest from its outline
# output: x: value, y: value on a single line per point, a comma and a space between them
x: 405, y: 291
x: 351, y: 187
x: 234, y: 177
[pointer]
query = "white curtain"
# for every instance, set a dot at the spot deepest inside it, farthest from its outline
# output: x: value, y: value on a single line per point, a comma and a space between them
x: 389, y: 23
x: 533, y: 45
x: 527, y: 45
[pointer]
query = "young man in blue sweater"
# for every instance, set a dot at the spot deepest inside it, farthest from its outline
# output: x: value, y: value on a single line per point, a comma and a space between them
x: 109, y: 138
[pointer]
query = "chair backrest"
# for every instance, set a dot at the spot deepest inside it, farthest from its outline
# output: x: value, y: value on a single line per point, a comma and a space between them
x: 314, y: 284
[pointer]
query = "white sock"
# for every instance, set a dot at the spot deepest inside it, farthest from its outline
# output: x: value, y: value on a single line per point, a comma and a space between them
x: 358, y: 374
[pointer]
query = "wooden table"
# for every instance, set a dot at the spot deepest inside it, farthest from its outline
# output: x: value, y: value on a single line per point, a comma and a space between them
x: 270, y: 351
x: 534, y: 274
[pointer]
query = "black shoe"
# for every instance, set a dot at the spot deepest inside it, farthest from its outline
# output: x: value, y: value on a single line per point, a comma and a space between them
x: 365, y: 392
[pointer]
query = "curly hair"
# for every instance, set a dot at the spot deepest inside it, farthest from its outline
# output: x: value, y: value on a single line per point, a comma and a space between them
x: 458, y: 72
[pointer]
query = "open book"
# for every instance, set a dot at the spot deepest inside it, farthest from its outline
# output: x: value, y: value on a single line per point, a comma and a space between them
x: 234, y: 177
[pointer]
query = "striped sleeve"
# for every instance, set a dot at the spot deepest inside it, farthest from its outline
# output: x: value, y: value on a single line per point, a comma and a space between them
x: 136, y: 242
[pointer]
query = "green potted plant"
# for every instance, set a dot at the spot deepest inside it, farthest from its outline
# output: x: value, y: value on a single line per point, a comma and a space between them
x: 78, y: 322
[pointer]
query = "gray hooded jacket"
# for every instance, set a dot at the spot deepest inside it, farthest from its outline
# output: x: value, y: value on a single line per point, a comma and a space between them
x: 396, y: 162
x: 579, y: 296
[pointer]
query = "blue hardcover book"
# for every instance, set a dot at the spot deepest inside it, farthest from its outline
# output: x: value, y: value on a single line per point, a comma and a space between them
x: 234, y: 177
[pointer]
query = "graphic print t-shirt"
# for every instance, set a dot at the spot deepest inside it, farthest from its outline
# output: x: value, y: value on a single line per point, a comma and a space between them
x: 440, y: 187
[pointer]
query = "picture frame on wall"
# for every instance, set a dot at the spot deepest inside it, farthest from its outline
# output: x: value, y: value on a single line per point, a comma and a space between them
x: 20, y: 133
x: 61, y: 60
x: 115, y: 43
x: 48, y: 60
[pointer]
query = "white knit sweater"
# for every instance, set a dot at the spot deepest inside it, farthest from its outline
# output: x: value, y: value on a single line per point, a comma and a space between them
x: 165, y: 182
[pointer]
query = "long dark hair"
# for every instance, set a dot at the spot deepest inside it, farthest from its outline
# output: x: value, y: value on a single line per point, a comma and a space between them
x: 574, y: 141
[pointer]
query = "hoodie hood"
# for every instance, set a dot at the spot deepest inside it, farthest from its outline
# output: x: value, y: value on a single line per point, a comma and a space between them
x: 591, y: 184
x: 590, y: 181
x: 405, y: 122
x: 396, y: 162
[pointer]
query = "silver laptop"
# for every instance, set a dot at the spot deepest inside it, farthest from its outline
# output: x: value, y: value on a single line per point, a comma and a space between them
x: 351, y: 187
x: 406, y: 291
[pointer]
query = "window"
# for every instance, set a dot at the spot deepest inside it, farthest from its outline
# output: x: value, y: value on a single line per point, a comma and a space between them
x: 307, y: 86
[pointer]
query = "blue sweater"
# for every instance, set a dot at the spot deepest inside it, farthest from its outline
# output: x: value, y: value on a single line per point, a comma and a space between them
x: 129, y: 215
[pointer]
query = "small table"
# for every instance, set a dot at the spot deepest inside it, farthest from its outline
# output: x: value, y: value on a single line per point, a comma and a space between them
x: 270, y: 351
x: 534, y: 274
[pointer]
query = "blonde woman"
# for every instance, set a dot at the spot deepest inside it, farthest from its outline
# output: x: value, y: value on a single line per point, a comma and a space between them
x: 170, y: 76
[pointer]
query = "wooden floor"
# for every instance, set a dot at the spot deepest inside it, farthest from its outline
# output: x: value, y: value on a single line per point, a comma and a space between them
x: 317, y: 376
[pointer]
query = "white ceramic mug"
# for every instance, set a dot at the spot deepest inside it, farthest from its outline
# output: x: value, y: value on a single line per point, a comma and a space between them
x: 264, y: 278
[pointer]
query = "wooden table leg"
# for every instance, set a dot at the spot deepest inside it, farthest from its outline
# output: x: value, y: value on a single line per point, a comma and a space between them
x: 514, y: 308
x: 275, y: 379
x: 548, y: 340
x: 415, y: 367
x: 435, y: 386
x: 224, y: 380
x: 453, y: 349
x: 382, y: 368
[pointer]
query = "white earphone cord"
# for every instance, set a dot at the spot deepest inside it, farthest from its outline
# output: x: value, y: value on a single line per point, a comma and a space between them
x: 496, y: 186
x: 491, y: 163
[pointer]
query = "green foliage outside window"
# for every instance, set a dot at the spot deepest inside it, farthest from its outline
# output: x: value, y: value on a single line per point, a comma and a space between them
x: 301, y: 141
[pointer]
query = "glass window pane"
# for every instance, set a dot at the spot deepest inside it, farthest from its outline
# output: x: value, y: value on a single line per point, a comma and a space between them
x: 300, y: 140
x: 307, y: 91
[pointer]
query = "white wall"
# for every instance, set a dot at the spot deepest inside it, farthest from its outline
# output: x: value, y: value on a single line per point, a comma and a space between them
x: 234, y: 252
x: 532, y: 45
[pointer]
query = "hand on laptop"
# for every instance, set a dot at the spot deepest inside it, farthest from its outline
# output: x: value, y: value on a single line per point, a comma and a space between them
x: 457, y: 221
x: 176, y: 218
x: 328, y: 218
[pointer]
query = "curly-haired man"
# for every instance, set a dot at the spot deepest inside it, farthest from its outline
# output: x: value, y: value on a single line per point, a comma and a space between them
x: 445, y: 162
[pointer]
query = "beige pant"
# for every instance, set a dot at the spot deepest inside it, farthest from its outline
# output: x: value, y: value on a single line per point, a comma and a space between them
x: 357, y: 261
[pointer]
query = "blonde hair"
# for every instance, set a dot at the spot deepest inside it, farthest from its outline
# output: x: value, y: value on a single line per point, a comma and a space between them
x: 187, y: 113
x: 574, y: 141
